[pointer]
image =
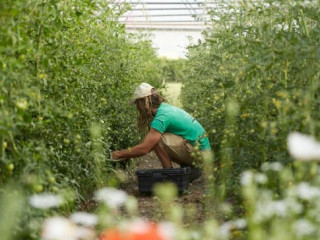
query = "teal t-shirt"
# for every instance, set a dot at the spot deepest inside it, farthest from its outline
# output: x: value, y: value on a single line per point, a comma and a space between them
x: 177, y: 121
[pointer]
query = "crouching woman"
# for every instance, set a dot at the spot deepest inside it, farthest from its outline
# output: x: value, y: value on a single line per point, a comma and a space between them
x: 172, y: 133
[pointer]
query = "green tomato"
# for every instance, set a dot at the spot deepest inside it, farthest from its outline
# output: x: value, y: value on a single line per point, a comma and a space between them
x: 52, y: 179
x: 10, y: 167
x: 38, y: 188
x: 210, y: 177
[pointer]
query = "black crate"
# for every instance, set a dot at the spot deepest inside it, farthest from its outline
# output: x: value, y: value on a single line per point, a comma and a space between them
x: 148, y: 177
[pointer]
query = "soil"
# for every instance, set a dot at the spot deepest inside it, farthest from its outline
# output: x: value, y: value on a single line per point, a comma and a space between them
x: 190, y: 201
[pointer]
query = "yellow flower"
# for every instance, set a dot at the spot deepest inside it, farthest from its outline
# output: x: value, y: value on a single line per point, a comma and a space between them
x: 274, y: 130
x: 264, y: 124
x: 282, y: 94
x: 276, y: 102
x: 244, y: 115
x: 41, y: 75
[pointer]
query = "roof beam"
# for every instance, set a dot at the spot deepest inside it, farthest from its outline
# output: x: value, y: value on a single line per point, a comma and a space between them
x: 164, y: 21
x: 167, y: 3
x: 167, y: 15
x: 165, y: 29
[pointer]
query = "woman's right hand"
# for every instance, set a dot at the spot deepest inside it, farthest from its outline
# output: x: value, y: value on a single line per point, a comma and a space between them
x: 116, y: 155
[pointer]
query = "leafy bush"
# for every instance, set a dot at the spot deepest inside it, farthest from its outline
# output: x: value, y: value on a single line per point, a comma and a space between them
x: 173, y: 70
x: 254, y: 79
x: 68, y: 70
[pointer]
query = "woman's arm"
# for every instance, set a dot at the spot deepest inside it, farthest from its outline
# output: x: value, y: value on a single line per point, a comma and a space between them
x: 149, y: 142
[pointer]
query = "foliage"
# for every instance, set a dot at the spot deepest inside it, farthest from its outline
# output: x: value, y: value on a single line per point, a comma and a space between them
x: 282, y: 202
x: 173, y: 70
x: 68, y: 69
x: 254, y: 79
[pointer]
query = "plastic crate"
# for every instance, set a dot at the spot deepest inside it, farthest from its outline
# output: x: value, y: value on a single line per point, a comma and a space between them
x: 148, y: 177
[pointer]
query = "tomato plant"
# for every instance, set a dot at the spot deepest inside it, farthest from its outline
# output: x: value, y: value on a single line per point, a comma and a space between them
x: 254, y: 79
x: 65, y: 67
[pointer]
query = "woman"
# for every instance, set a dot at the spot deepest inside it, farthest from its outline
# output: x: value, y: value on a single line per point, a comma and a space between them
x: 173, y: 134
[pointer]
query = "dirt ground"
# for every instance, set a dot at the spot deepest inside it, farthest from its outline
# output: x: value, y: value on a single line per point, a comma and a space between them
x: 191, y: 201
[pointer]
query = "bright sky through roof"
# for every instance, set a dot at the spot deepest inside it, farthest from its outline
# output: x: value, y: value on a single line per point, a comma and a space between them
x: 173, y: 23
x: 173, y: 44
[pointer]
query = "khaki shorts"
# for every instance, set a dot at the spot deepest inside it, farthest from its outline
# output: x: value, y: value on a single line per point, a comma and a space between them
x: 178, y: 148
x: 180, y: 151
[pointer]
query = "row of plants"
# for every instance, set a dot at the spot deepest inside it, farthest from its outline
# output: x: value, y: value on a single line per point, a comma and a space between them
x: 67, y: 72
x: 253, y: 79
x: 282, y: 202
x: 174, y: 70
x: 68, y: 67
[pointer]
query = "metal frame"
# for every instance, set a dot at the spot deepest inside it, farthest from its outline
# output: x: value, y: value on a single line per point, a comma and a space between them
x: 195, y: 12
x: 166, y: 3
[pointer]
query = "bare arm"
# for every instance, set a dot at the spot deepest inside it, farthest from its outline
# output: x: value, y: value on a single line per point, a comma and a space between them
x: 149, y: 142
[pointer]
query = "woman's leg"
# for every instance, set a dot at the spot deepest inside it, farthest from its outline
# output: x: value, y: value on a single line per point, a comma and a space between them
x: 179, y: 151
x: 163, y: 155
x: 173, y: 148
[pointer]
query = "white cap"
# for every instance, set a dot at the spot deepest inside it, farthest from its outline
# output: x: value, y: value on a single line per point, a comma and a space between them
x: 143, y: 90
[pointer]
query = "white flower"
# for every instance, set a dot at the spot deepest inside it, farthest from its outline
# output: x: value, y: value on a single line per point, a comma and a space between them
x: 246, y: 178
x: 57, y: 228
x: 273, y: 166
x: 306, y: 192
x: 267, y: 208
x: 266, y: 5
x: 314, y: 213
x: 114, y: 198
x: 60, y: 228
x: 303, y: 147
x: 240, y: 223
x: 138, y: 226
x: 167, y: 230
x: 225, y: 228
x: 303, y: 227
x: 194, y: 235
x: 84, y: 218
x: 260, y: 178
x: 45, y: 200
